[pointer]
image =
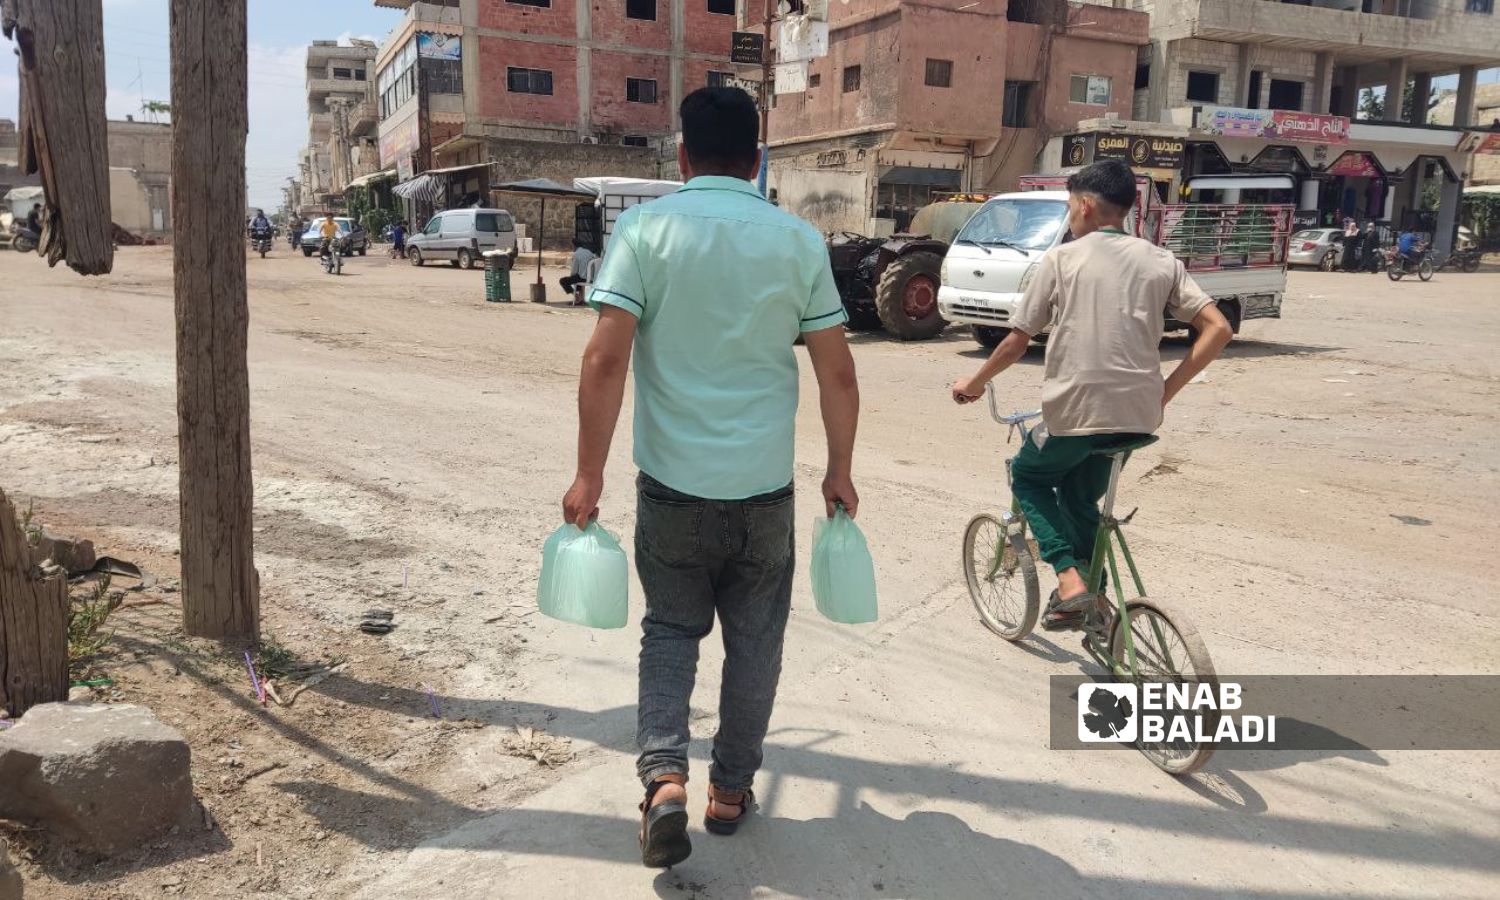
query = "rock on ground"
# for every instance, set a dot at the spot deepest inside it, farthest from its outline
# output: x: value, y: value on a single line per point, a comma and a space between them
x: 74, y: 556
x: 105, y: 778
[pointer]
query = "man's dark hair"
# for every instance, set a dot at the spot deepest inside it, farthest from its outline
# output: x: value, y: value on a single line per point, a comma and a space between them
x: 1111, y: 180
x: 720, y: 131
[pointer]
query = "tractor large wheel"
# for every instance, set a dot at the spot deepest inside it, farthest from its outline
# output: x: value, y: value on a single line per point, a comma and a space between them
x: 907, y: 297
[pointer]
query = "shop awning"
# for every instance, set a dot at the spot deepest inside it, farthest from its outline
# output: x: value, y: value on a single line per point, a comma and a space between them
x: 425, y: 188
x: 1252, y: 183
x: 363, y: 180
x: 452, y: 169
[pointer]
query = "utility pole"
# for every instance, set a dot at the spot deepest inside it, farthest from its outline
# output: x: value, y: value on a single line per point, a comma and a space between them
x: 220, y: 587
x: 767, y: 88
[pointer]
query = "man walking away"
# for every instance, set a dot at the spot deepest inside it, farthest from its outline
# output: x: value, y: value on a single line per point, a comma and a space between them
x: 579, y: 274
x: 1105, y: 295
x: 711, y: 286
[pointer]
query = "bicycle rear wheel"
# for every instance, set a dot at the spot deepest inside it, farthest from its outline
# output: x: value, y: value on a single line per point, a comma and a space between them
x: 1168, y: 650
x: 1004, y: 590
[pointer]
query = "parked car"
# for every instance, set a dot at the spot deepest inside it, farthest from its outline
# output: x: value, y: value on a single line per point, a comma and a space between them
x: 462, y: 236
x: 352, y: 236
x: 1322, y: 248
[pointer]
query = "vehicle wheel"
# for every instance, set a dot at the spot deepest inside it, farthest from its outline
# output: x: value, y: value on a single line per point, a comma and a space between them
x: 24, y: 245
x: 988, y: 336
x: 1168, y: 650
x: 1330, y: 261
x: 1041, y: 338
x: 864, y: 318
x: 415, y: 255
x: 307, y: 251
x: 262, y: 254
x: 364, y: 250
x: 1393, y: 272
x: 1424, y: 270
x: 465, y: 260
x: 907, y: 297
x: 1471, y: 264
x: 1005, y: 590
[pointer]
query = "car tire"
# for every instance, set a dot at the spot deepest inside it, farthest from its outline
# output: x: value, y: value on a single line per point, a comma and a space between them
x: 1231, y: 311
x: 988, y: 336
x: 415, y: 256
x: 464, y: 260
x: 363, y: 250
x: 307, y: 251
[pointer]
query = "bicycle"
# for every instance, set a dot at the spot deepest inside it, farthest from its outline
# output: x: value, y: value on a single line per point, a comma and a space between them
x: 1160, y: 645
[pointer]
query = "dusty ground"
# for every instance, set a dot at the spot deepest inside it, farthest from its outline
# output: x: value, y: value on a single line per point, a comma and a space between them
x: 404, y: 426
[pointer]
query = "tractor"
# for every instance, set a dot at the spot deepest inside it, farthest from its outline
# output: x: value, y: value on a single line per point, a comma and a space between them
x: 892, y: 283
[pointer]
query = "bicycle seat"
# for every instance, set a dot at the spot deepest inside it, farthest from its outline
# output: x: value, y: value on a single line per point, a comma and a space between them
x: 1126, y: 445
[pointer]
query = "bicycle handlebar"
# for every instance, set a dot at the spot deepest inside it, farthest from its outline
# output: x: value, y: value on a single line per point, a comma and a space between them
x: 1013, y: 419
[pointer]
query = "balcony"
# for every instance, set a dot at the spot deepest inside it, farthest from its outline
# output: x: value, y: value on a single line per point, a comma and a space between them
x: 1430, y: 34
x: 322, y: 87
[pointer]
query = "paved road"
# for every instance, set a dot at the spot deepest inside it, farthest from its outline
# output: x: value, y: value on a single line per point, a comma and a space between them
x: 908, y: 758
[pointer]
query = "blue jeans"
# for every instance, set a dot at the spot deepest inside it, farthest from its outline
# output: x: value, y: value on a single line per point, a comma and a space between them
x: 696, y: 558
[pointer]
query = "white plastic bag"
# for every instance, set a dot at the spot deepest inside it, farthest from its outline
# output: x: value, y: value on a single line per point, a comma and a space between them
x: 585, y: 578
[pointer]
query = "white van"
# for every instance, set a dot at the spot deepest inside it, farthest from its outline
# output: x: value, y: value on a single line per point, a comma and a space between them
x: 462, y: 236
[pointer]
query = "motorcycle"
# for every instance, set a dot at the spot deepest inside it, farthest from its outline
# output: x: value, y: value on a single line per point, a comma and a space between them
x: 1463, y: 260
x: 260, y: 241
x: 332, y: 259
x: 25, y: 239
x: 1419, y: 262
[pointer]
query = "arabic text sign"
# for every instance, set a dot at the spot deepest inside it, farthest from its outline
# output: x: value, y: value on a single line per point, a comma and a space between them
x: 747, y: 47
x: 1309, y: 128
x: 1355, y: 165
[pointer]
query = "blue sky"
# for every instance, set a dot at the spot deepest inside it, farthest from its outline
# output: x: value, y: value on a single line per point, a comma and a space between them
x: 138, y: 66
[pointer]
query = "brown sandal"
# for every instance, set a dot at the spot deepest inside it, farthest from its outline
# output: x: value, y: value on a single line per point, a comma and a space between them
x: 742, y: 799
x: 664, y: 838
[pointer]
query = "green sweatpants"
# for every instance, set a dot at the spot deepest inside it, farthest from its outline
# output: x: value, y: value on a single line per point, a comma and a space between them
x: 1059, y: 487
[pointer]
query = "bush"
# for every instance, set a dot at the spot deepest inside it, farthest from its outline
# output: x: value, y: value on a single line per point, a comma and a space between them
x: 375, y: 221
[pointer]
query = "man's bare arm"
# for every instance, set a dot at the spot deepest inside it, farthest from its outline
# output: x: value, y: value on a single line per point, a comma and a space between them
x: 838, y: 396
x: 601, y: 391
x: 1214, y: 334
x: 1007, y: 354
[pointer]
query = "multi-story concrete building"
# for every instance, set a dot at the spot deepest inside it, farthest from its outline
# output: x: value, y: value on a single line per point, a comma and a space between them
x: 341, y: 120
x: 918, y: 97
x: 140, y: 175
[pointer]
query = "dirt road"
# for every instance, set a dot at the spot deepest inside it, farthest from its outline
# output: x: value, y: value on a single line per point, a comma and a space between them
x: 403, y: 425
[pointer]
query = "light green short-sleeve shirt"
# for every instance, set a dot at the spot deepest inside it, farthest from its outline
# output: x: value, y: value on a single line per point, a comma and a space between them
x: 722, y: 282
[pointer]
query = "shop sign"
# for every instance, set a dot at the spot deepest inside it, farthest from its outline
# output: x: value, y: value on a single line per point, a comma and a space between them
x: 791, y: 78
x: 832, y: 159
x: 1276, y: 124
x: 1140, y: 151
x: 399, y: 139
x: 432, y: 45
x: 1076, y: 149
x: 1355, y: 164
x: 1489, y: 145
x: 747, y: 47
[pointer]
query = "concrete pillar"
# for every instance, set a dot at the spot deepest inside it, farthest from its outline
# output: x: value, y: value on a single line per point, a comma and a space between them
x: 1309, y: 194
x: 679, y: 45
x: 1463, y: 114
x: 1243, y: 66
x: 1348, y: 92
x: 1421, y: 91
x: 1156, y: 94
x: 1395, y: 88
x: 1322, y: 92
x: 584, y: 15
x: 1447, y: 218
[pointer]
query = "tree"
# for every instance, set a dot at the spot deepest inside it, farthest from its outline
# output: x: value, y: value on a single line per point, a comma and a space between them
x: 1372, y: 105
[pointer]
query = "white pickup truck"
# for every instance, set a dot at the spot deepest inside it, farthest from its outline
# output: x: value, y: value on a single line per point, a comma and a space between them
x: 1237, y: 253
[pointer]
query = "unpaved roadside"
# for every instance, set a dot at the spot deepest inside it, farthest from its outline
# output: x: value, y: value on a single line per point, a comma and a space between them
x: 400, y: 423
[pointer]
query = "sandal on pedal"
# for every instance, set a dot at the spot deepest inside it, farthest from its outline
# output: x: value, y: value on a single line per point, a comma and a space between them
x: 1066, y: 615
x: 664, y: 837
x: 741, y: 799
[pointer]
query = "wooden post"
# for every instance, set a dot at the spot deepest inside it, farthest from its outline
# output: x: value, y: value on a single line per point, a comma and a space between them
x: 63, y: 131
x: 220, y: 587
x: 33, y: 624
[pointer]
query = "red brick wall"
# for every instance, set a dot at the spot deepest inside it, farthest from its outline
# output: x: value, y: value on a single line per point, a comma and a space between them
x: 707, y: 32
x: 559, y: 20
x: 611, y: 25
x: 610, y: 109
x: 561, y: 108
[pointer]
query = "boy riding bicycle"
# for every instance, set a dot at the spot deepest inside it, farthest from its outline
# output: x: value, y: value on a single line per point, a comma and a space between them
x: 1106, y: 295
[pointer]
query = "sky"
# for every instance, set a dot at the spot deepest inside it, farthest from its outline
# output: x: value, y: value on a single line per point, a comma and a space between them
x: 138, y: 67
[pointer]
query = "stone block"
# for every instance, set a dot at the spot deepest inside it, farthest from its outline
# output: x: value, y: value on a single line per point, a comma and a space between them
x: 106, y: 779
x: 74, y: 556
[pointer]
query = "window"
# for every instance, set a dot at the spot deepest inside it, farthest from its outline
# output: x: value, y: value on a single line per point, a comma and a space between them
x: 1480, y: 6
x: 641, y: 9
x: 721, y: 79
x: 721, y: 7
x: 1257, y: 79
x: 851, y: 79
x: 397, y: 82
x: 528, y: 81
x: 1095, y: 90
x: 342, y: 73
x: 493, y: 222
x: 814, y: 80
x: 635, y: 140
x: 543, y: 4
x: 444, y: 76
x: 1203, y: 87
x: 1142, y: 76
x: 939, y: 73
x: 434, y: 225
x: 1017, y: 112
x: 1033, y: 12
x: 640, y: 90
x: 359, y: 74
x: 1286, y: 94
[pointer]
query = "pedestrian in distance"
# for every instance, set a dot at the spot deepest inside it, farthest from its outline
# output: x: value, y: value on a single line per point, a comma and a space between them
x: 1351, y: 245
x: 1105, y: 294
x: 710, y: 287
x: 578, y: 272
x: 1370, y: 249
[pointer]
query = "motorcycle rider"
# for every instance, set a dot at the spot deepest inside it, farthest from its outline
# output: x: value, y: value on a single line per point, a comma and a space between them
x: 34, y: 219
x: 329, y: 230
x: 1406, y: 246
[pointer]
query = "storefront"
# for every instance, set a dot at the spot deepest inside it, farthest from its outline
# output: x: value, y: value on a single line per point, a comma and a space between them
x: 1157, y: 156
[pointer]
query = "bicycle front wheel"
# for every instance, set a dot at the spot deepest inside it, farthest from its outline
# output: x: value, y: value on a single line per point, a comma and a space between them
x: 1001, y: 572
x: 1168, y: 650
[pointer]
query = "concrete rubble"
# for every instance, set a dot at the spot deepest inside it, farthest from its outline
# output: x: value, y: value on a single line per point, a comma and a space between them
x: 104, y: 778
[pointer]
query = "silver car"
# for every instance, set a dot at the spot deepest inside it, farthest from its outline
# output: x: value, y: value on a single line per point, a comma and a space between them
x: 462, y: 236
x: 1321, y: 248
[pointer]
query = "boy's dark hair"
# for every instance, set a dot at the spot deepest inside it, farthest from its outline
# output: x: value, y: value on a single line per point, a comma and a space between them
x: 1111, y: 180
x: 720, y: 131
